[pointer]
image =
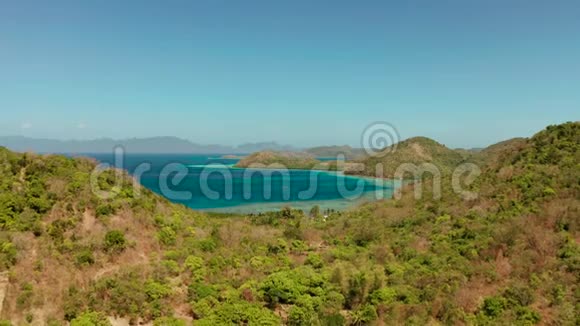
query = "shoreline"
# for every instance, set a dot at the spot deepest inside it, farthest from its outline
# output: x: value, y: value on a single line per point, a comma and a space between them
x: 338, y: 204
x: 341, y: 173
x: 388, y: 187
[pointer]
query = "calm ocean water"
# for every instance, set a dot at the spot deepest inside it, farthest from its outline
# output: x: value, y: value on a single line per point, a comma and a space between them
x: 247, y: 191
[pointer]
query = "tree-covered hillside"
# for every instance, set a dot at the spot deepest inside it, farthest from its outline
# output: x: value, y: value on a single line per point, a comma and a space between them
x: 415, y: 151
x: 509, y: 256
x: 334, y: 151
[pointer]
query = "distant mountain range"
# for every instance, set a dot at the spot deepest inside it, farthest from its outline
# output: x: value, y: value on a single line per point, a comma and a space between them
x: 160, y: 145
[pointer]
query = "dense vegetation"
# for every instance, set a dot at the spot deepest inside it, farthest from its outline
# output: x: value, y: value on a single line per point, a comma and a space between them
x: 334, y: 151
x: 416, y: 151
x: 509, y: 256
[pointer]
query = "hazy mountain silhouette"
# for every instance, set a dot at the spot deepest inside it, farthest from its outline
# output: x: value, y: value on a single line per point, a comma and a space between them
x: 133, y: 145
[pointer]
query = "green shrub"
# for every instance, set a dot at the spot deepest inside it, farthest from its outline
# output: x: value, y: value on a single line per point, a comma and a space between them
x: 155, y: 290
x: 282, y: 287
x: 570, y: 255
x: 240, y: 313
x: 333, y: 301
x: 527, y: 316
x: 57, y: 228
x: 315, y: 211
x: 294, y: 286
x: 85, y: 258
x: 171, y: 267
x: 90, y: 319
x: 167, y: 236
x: 169, y: 321
x: 73, y: 304
x: 558, y: 292
x: 314, y: 260
x: 8, y: 254
x: 53, y: 322
x: 494, y: 306
x: 293, y: 230
x: 115, y: 241
x: 174, y: 255
x: 198, y: 291
x: 204, y: 307
x: 383, y: 296
x: 281, y: 246
x: 364, y: 232
x: 123, y: 294
x: 301, y: 316
x: 25, y: 297
x: 519, y: 295
x: 262, y: 263
x: 357, y: 289
x: 548, y: 191
x: 104, y: 209
x: 207, y: 245
x: 197, y: 267
x: 364, y: 315
x: 298, y: 246
x: 333, y: 320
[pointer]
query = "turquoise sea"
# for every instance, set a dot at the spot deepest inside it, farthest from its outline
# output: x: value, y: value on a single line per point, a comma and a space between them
x: 242, y: 190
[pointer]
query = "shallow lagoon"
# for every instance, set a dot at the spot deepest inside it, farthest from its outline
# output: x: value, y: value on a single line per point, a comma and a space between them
x: 208, y: 182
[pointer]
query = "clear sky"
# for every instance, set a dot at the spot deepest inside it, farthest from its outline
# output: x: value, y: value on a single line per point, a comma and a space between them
x: 300, y: 72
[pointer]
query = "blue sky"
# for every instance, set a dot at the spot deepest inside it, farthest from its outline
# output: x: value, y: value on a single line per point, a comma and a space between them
x: 301, y: 72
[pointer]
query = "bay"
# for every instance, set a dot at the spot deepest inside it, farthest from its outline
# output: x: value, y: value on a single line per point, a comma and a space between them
x: 246, y: 190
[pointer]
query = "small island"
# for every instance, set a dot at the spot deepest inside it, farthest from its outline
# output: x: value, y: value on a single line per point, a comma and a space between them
x: 232, y: 157
x: 288, y: 160
x: 297, y: 161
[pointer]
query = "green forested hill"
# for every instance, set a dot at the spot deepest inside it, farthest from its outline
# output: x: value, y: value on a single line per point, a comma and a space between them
x: 509, y: 256
x: 417, y: 151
